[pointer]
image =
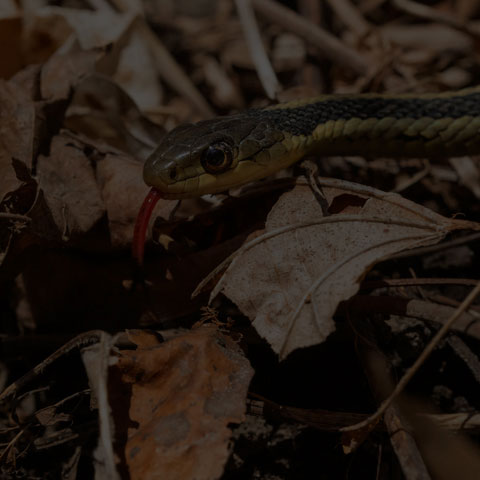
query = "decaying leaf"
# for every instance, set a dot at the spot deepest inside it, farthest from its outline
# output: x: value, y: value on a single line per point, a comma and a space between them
x: 290, y: 279
x: 184, y: 393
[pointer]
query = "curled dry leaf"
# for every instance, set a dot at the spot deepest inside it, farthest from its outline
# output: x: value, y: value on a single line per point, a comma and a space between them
x: 184, y: 393
x: 290, y: 279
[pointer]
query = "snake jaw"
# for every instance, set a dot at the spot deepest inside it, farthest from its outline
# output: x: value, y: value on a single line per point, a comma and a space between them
x: 141, y: 224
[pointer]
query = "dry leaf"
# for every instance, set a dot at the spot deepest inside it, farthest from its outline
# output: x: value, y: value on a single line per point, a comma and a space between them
x: 184, y: 393
x: 69, y: 185
x: 100, y: 109
x: 92, y: 29
x: 290, y: 279
x: 61, y: 72
x: 44, y: 33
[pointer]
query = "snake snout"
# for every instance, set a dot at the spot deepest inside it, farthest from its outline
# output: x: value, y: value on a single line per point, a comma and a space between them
x: 158, y: 173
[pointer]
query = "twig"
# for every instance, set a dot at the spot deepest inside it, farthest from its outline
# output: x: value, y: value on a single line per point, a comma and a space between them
x: 171, y: 72
x: 428, y: 13
x: 463, y: 351
x: 434, y: 15
x: 436, y: 248
x: 467, y: 323
x: 331, y: 421
x: 350, y: 16
x: 409, y: 182
x: 418, y: 363
x: 415, y: 282
x: 377, y: 369
x: 11, y: 444
x: 15, y: 216
x: 81, y: 340
x: 329, y: 45
x: 311, y: 73
x: 264, y: 68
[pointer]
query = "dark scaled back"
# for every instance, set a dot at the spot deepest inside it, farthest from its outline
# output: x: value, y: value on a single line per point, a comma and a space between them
x: 303, y: 120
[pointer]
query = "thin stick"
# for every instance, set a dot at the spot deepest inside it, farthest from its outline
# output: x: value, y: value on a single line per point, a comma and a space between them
x: 418, y: 281
x: 328, y: 44
x: 79, y: 341
x: 171, y: 72
x: 418, y: 363
x: 264, y: 68
x: 350, y: 16
x: 15, y: 216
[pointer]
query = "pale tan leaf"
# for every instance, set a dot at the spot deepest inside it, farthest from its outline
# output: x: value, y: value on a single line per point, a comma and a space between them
x: 92, y: 29
x: 184, y: 394
x: 290, y: 279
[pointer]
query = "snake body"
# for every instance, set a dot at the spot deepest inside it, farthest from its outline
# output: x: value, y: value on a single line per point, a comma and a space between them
x: 214, y: 155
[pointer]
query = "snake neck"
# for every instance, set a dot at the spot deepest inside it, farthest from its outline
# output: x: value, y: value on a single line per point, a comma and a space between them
x: 389, y: 125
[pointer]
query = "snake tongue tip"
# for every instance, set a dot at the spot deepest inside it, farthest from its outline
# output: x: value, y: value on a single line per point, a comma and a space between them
x: 141, y: 224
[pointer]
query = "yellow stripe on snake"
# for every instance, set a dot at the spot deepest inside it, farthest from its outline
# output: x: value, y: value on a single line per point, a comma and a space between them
x: 214, y: 155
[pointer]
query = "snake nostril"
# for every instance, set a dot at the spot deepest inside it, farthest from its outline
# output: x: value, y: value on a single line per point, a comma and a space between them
x: 173, y: 173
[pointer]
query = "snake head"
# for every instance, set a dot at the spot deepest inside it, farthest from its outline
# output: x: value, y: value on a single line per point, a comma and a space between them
x: 212, y: 156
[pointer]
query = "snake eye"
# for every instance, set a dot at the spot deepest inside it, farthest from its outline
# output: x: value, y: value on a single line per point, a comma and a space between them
x: 217, y: 158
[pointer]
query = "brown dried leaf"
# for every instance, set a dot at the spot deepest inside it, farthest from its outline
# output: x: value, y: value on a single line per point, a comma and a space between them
x: 185, y: 392
x: 44, y: 32
x: 100, y: 109
x: 61, y: 72
x: 290, y: 279
x: 68, y: 182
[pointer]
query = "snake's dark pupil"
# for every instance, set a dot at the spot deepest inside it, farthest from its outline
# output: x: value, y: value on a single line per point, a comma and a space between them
x: 173, y: 173
x: 215, y: 156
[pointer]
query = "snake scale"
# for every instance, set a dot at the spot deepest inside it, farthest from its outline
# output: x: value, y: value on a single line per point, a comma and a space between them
x: 215, y: 155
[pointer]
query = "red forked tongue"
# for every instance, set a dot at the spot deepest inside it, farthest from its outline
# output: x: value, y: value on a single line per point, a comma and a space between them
x: 141, y: 225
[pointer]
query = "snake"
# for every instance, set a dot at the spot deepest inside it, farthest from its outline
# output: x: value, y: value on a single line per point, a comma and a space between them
x: 219, y: 154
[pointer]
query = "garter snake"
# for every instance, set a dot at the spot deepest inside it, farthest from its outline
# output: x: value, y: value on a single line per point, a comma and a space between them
x: 214, y: 155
